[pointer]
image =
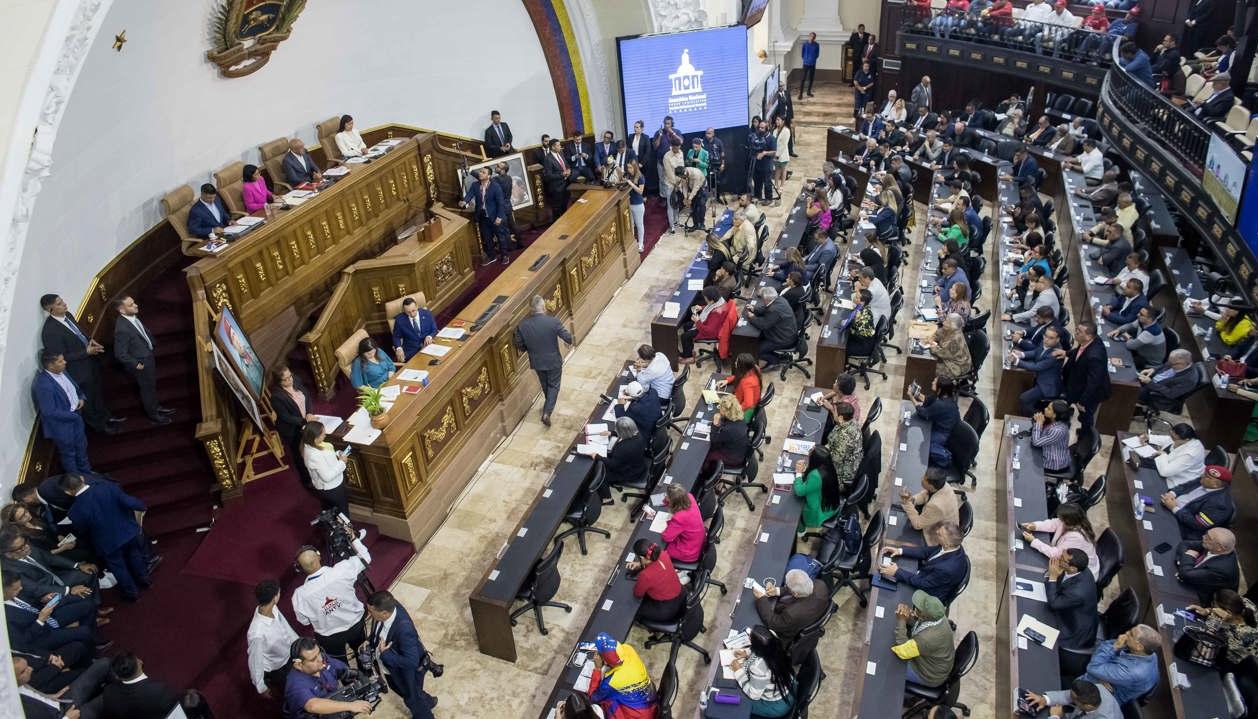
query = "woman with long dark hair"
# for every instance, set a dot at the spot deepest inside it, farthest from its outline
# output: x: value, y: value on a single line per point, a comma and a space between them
x: 578, y: 706
x: 326, y: 466
x: 293, y: 408
x: 1071, y: 530
x: 656, y: 582
x: 348, y: 141
x: 817, y: 485
x: 746, y: 383
x: 763, y: 672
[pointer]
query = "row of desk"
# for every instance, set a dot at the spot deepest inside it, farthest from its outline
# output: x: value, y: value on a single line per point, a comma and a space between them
x: 919, y: 362
x: 774, y: 544
x: 1011, y: 381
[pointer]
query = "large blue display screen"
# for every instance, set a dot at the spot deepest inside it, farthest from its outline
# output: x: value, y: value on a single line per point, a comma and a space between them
x: 699, y: 78
x: 1247, y: 223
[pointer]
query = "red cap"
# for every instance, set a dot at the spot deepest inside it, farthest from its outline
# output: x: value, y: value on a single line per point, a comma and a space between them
x: 1098, y: 9
x: 1061, y: 4
x: 1218, y: 472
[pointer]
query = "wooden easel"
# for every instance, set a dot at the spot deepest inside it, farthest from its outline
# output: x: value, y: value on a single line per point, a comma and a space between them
x: 247, y: 451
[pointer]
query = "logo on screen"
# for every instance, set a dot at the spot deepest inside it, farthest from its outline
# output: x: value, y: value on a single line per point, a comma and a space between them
x: 687, y: 82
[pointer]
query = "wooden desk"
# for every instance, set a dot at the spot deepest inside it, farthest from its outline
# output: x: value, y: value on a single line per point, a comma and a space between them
x: 832, y: 343
x: 1021, y: 662
x: 923, y: 178
x: 858, y: 174
x: 843, y: 140
x: 1152, y: 577
x: 988, y: 168
x: 495, y: 594
x: 435, y: 440
x: 882, y: 684
x: 1245, y: 495
x: 1219, y: 416
x: 773, y: 545
x: 919, y: 363
x: 616, y: 608
x: 1011, y: 381
x: 1158, y: 218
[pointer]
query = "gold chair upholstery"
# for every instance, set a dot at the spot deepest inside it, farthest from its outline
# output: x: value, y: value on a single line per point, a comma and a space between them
x: 175, y: 206
x: 393, y: 308
x: 229, y: 181
x: 348, y: 350
x: 272, y: 160
x: 325, y: 132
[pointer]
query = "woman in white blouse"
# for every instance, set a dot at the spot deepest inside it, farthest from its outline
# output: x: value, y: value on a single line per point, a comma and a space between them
x: 1184, y: 460
x: 782, y: 134
x: 898, y: 112
x: 763, y: 672
x: 326, y: 467
x: 348, y: 141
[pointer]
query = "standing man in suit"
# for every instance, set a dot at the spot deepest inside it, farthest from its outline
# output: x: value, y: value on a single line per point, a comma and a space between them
x: 491, y: 216
x: 209, y: 215
x: 58, y: 401
x: 106, y: 515
x: 1209, y: 565
x: 942, y: 565
x: 1085, y: 373
x: 1194, y: 24
x: 639, y: 146
x: 660, y: 144
x: 299, y: 167
x: 61, y: 334
x: 1041, y: 360
x: 133, y: 346
x: 498, y: 136
x: 604, y: 149
x: 134, y: 695
x: 413, y: 329
x: 1071, y: 591
x: 402, y: 653
x: 505, y: 182
x: 858, y: 41
x: 539, y: 335
x: 810, y: 51
x: 923, y: 94
x: 555, y: 179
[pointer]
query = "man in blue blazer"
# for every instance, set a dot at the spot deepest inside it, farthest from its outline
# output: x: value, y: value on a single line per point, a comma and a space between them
x: 1047, y: 369
x: 209, y: 214
x: 490, y: 208
x: 106, y: 515
x: 940, y: 570
x: 31, y: 627
x: 58, y: 400
x: 401, y: 652
x: 413, y: 329
x: 1127, y: 303
x: 299, y: 167
x: 1025, y: 170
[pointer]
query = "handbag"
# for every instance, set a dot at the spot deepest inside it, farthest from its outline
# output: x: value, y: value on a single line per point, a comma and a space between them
x: 1200, y: 645
x: 1234, y: 369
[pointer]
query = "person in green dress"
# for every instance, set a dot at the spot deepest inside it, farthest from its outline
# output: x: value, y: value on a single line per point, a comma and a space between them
x: 818, y: 488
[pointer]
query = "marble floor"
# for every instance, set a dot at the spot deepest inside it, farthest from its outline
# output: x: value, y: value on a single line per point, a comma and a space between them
x: 436, y: 584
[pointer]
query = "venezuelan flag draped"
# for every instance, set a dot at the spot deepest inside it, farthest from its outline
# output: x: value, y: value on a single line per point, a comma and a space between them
x: 625, y: 690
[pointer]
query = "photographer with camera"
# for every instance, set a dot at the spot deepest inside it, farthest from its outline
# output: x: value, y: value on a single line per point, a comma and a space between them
x: 691, y: 192
x: 313, y: 681
x: 327, y: 600
x: 716, y: 162
x: 396, y: 644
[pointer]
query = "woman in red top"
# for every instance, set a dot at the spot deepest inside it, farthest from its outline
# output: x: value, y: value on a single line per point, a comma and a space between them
x: 657, y: 584
x: 746, y: 383
x: 705, y: 322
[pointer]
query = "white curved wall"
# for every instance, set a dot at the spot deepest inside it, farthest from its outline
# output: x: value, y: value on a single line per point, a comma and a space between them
x: 156, y: 115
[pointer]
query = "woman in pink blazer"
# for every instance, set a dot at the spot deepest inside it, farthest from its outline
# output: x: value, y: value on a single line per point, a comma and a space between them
x: 1071, y: 530
x: 254, y: 191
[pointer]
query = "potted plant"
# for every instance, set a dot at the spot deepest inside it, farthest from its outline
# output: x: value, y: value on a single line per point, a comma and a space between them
x: 369, y: 398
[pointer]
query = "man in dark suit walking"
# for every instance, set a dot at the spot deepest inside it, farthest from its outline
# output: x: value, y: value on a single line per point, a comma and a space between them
x: 498, y: 136
x: 491, y: 216
x: 1085, y: 373
x: 106, y: 515
x: 400, y: 650
x: 133, y: 346
x: 61, y: 334
x: 1072, y: 594
x: 299, y: 167
x: 539, y: 335
x: 555, y: 178
x: 134, y: 695
x: 58, y: 401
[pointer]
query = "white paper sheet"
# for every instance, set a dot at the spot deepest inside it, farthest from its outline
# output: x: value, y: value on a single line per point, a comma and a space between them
x: 359, y: 417
x: 452, y: 333
x: 798, y: 446
x: 660, y: 522
x: 672, y: 310
x: 329, y: 422
x: 694, y: 284
x: 785, y: 479
x: 436, y: 350
x: 413, y: 375
x: 362, y: 434
x: 1029, y: 589
x: 1029, y: 622
x: 596, y: 428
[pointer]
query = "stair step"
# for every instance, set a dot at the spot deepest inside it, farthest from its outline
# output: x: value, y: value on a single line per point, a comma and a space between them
x: 188, y: 516
x: 156, y: 496
x: 175, y: 465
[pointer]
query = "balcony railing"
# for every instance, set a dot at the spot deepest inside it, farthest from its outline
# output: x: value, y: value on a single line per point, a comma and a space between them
x: 1177, y: 131
x: 1047, y: 39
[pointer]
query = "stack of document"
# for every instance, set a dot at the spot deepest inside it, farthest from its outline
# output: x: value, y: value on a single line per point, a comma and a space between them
x: 329, y: 422
x: 452, y: 333
x: 672, y: 310
x: 436, y: 350
x: 413, y: 375
x: 233, y: 230
x: 250, y: 221
x: 660, y: 521
x: 798, y: 446
x: 695, y: 284
x: 362, y: 434
x: 597, y: 441
x: 340, y: 171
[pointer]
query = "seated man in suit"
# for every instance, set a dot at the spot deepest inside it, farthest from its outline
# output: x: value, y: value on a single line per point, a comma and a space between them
x: 1204, y: 504
x: 69, y: 677
x: 105, y: 514
x: 1210, y: 564
x: 788, y: 611
x: 1089, y: 699
x: 1025, y: 171
x: 581, y: 161
x: 940, y: 570
x: 1165, y: 387
x: 1127, y: 303
x: 1072, y: 594
x: 1033, y: 338
x: 1220, y: 101
x: 299, y: 166
x: 134, y: 695
x: 58, y: 400
x: 498, y: 136
x: 1047, y: 369
x: 413, y: 329
x: 208, y: 216
x: 33, y: 629
x: 401, y: 652
x: 46, y: 576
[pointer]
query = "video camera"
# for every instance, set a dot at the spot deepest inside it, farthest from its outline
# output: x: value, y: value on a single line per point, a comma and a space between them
x: 338, y: 533
x: 360, y: 687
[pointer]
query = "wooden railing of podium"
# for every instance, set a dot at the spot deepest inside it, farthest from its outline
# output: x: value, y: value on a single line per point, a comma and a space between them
x: 439, y: 265
x: 435, y: 440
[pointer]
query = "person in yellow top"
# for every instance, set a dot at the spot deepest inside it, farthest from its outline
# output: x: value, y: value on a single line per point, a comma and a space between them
x: 1233, y: 325
x: 923, y: 639
x: 1127, y: 214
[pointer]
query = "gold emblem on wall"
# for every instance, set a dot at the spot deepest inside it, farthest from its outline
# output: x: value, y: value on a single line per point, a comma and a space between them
x: 474, y: 393
x: 218, y: 459
x: 409, y: 475
x: 444, y: 270
x: 352, y: 476
x: 436, y: 435
x: 219, y: 293
x: 245, y: 32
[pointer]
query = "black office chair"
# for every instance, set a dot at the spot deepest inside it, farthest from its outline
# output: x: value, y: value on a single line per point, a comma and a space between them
x: 683, y: 630
x: 960, y: 588
x: 677, y: 404
x: 965, y: 514
x: 795, y: 357
x: 1121, y: 615
x: 667, y: 691
x: 807, y: 683
x: 805, y: 643
x: 867, y: 474
x: 1217, y: 456
x: 977, y: 416
x: 1093, y: 495
x: 871, y: 416
x: 863, y: 366
x: 1082, y: 106
x: 897, y: 303
x: 701, y: 569
x: 766, y: 398
x: 1172, y: 340
x: 1157, y: 282
x: 963, y: 444
x: 1109, y: 553
x: 944, y: 695
x: 741, y: 479
x: 586, y: 508
x: 542, y: 588
x: 848, y: 569
x: 978, y: 322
